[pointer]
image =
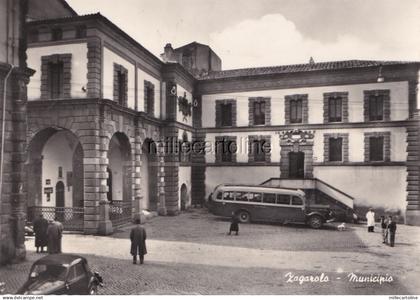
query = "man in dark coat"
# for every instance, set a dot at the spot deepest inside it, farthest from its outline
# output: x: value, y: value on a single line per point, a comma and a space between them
x: 40, y: 229
x: 234, y: 224
x: 54, y: 237
x: 392, y: 228
x: 138, y: 242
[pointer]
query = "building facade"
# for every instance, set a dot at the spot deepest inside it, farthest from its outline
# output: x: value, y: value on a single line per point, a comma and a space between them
x: 14, y: 77
x: 108, y: 120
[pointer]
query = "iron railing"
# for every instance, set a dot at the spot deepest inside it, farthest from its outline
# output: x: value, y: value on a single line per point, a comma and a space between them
x: 72, y: 218
x: 120, y: 213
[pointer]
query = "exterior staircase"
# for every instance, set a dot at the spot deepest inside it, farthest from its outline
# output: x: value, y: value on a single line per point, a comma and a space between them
x: 319, y: 194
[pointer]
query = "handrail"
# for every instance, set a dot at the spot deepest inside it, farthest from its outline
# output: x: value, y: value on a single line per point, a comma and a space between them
x: 348, y: 200
x: 337, y: 190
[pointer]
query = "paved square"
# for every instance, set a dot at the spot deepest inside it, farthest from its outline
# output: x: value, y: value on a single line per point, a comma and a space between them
x: 191, y: 254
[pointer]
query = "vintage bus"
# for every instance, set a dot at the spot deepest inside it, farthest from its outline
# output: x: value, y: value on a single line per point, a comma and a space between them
x: 258, y: 203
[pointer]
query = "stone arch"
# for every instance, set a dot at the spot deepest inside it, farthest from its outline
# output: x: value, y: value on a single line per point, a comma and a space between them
x: 54, y: 154
x: 120, y: 164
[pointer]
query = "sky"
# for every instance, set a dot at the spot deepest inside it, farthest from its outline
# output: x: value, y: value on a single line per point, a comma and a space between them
x: 254, y: 33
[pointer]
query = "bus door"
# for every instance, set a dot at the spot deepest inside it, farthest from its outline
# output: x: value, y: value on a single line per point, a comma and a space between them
x: 297, y: 209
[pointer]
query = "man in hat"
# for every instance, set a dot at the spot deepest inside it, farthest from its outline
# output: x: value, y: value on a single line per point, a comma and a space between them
x: 138, y: 242
x: 40, y: 230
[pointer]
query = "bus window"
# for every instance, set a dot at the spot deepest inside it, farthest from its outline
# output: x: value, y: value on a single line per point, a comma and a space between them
x: 255, y: 197
x: 241, y: 196
x: 219, y: 195
x: 269, y: 198
x: 283, y: 199
x: 296, y: 201
x: 228, y: 196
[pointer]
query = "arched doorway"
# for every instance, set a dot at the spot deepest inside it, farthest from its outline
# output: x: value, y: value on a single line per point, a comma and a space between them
x: 149, y: 168
x: 119, y: 179
x: 55, y: 177
x: 59, y: 200
x: 184, y: 196
x: 296, y: 165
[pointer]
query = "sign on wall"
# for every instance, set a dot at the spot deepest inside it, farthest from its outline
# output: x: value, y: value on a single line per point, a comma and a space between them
x: 48, y: 190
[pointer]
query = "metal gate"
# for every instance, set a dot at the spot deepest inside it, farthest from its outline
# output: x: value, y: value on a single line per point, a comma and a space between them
x: 72, y: 218
x: 120, y: 213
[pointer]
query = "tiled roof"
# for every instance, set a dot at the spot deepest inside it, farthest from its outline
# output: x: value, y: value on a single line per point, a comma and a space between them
x: 321, y: 66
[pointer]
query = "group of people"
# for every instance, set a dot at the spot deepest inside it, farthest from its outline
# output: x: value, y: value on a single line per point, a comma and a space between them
x: 388, y: 225
x: 48, y: 233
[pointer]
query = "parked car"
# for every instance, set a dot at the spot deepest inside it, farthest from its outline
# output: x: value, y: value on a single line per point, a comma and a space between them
x: 258, y: 203
x: 61, y: 274
x: 29, y: 230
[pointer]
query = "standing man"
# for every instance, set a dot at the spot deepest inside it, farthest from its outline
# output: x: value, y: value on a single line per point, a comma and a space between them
x: 392, y: 227
x: 40, y: 229
x: 370, y: 217
x: 54, y: 237
x: 60, y: 228
x: 384, y: 225
x: 138, y: 242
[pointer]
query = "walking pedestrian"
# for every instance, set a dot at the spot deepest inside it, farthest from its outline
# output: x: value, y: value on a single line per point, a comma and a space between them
x: 370, y: 217
x: 54, y: 237
x: 234, y: 224
x: 138, y: 242
x: 384, y: 225
x: 40, y: 230
x: 392, y: 227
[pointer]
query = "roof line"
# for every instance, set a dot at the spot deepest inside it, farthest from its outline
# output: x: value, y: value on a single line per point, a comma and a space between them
x: 64, y: 2
x: 99, y: 17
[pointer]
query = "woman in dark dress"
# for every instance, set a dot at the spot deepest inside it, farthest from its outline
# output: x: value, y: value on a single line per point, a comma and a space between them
x: 234, y: 224
x: 40, y: 230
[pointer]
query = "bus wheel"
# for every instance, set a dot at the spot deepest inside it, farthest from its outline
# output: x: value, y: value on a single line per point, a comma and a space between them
x: 315, y: 222
x: 244, y: 216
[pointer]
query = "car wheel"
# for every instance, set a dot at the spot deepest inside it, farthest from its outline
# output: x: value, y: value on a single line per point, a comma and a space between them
x: 93, y: 290
x: 315, y: 222
x: 244, y: 216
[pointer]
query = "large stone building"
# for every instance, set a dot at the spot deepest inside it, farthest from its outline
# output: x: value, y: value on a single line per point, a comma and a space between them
x: 106, y: 120
x: 14, y: 76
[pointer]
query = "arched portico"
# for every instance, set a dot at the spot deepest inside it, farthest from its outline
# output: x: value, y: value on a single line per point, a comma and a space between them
x: 55, y: 177
x: 119, y: 181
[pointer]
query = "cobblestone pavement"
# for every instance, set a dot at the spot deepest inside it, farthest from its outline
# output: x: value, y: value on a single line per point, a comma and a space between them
x: 191, y: 254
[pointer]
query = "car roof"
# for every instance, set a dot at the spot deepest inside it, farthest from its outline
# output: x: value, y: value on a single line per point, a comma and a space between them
x: 60, y: 259
x: 257, y: 188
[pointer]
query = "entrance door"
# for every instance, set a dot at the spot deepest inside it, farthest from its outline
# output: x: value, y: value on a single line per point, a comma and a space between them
x: 184, y: 197
x: 59, y: 200
x: 296, y: 165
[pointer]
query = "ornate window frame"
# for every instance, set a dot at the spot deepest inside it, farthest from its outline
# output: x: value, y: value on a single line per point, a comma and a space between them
x: 344, y: 146
x: 251, y: 140
x: 344, y: 106
x: 218, y: 113
x: 45, y: 74
x: 267, y: 110
x: 120, y: 69
x: 386, y: 135
x: 304, y: 99
x: 386, y: 104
